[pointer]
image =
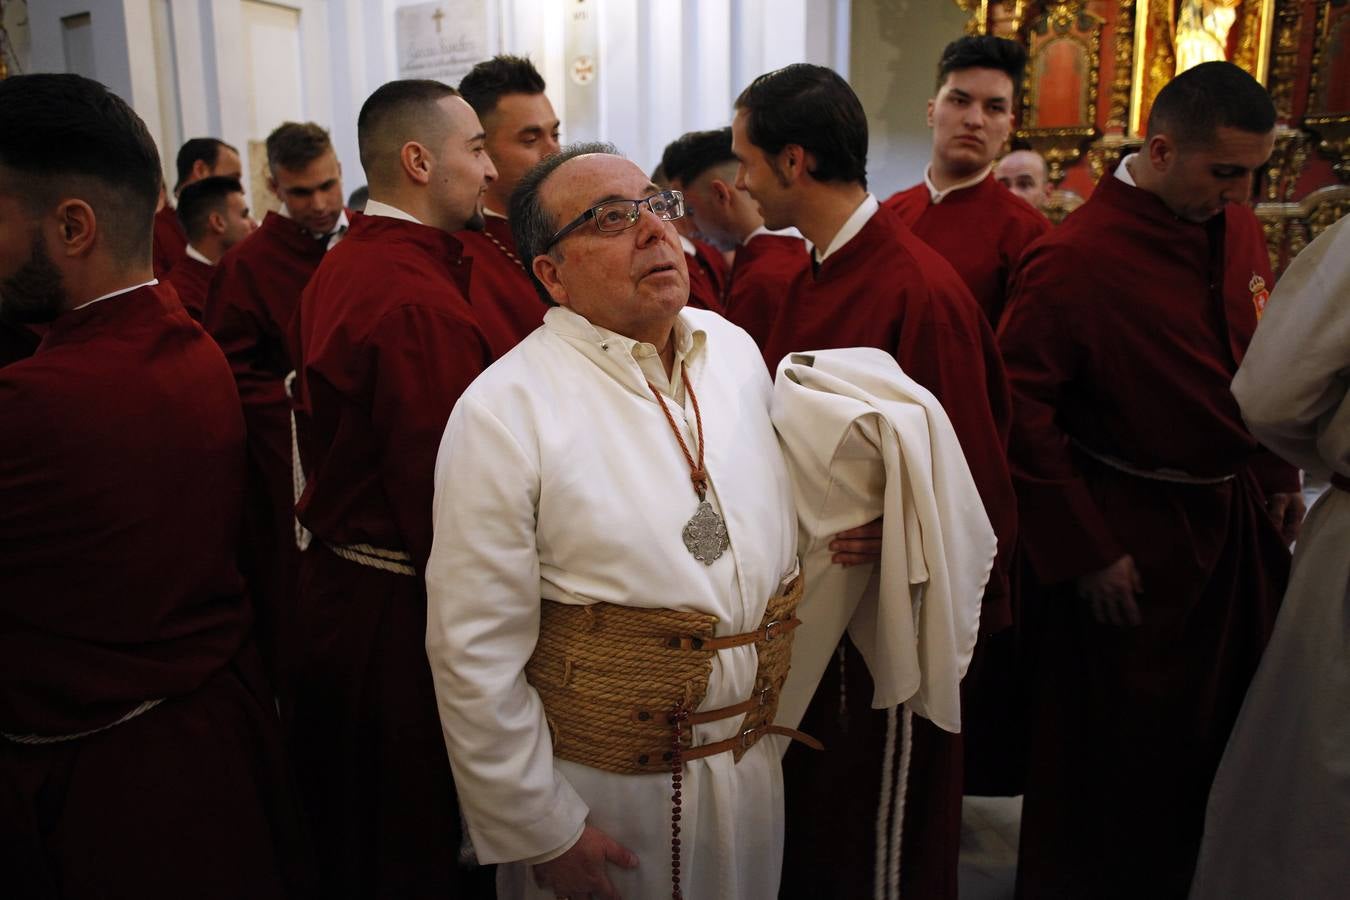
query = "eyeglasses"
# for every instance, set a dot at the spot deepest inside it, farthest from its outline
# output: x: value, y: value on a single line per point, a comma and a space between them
x: 619, y: 215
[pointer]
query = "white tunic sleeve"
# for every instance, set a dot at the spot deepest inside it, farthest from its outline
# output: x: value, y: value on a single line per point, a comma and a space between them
x: 1292, y: 383
x: 483, y: 609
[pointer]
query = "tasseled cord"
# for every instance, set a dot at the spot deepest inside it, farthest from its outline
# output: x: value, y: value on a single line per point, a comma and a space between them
x: 894, y: 787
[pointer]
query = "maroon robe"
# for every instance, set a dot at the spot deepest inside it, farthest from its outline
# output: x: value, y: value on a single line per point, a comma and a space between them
x: 253, y: 294
x: 191, y: 278
x: 764, y: 268
x: 885, y: 288
x: 707, y: 276
x: 170, y: 241
x: 121, y: 478
x: 981, y: 230
x: 17, y: 341
x: 387, y: 342
x: 1124, y: 330
x: 504, y: 299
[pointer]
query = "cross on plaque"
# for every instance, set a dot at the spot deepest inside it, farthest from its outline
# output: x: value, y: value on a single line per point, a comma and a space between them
x: 436, y: 17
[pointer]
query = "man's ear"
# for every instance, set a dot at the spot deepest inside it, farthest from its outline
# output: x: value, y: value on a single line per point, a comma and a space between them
x: 200, y: 169
x: 416, y: 162
x: 274, y: 187
x: 1161, y: 152
x: 76, y: 227
x: 546, y: 269
x: 932, y: 104
x: 722, y: 192
x: 794, y: 161
x: 216, y: 222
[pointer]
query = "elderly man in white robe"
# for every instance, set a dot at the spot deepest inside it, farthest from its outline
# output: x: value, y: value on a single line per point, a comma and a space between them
x: 620, y: 464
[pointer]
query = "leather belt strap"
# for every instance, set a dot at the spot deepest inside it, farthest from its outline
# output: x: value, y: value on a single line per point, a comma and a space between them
x: 1340, y: 481
x: 767, y: 632
x: 1173, y: 476
x: 747, y: 739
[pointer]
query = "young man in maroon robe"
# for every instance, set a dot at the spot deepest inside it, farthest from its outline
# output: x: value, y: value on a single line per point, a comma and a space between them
x: 507, y: 93
x: 702, y: 165
x: 215, y: 216
x: 960, y: 209
x: 962, y: 212
x: 1143, y: 494
x: 197, y: 159
x: 801, y: 138
x: 386, y: 341
x: 140, y: 754
x: 249, y: 305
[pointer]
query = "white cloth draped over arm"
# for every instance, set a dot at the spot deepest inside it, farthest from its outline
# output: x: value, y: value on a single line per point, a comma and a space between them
x: 1292, y: 383
x: 483, y: 613
x: 862, y: 439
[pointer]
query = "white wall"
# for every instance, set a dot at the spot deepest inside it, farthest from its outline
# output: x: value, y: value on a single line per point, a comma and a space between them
x: 666, y: 66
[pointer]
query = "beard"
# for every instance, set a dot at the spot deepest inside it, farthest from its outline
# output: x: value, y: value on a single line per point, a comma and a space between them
x: 35, y: 294
x: 477, y: 221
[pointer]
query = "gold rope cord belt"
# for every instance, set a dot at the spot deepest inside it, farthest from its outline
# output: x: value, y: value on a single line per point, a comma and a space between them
x: 42, y: 739
x: 395, y: 561
x: 613, y: 679
x: 1175, y: 476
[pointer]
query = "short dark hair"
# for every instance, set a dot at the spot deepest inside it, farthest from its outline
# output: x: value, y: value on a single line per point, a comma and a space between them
x: 294, y: 145
x: 492, y: 79
x: 205, y: 149
x: 1192, y: 107
x: 531, y: 224
x: 203, y: 197
x: 359, y: 198
x: 392, y: 111
x: 690, y: 155
x: 63, y: 133
x: 984, y: 51
x: 814, y: 108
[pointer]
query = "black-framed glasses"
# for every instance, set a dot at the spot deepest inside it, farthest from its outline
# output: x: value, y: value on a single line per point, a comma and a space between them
x: 619, y: 215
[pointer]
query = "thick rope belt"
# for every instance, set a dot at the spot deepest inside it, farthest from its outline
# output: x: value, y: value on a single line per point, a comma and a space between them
x: 302, y: 534
x: 395, y: 561
x: 613, y: 679
x: 1173, y: 476
x: 42, y: 739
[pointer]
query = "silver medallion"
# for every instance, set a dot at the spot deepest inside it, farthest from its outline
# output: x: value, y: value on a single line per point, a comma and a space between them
x: 705, y: 535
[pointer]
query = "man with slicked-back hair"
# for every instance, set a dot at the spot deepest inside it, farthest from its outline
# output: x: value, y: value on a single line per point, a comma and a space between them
x: 198, y: 158
x: 1154, y: 523
x: 215, y: 216
x: 384, y: 342
x: 140, y: 753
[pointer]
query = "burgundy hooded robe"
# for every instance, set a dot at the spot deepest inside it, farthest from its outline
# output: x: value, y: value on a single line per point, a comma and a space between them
x: 764, y: 269
x: 982, y: 230
x: 121, y: 481
x: 170, y: 241
x: 504, y: 299
x: 192, y: 278
x: 1122, y: 335
x: 885, y: 288
x: 387, y: 342
x: 253, y: 294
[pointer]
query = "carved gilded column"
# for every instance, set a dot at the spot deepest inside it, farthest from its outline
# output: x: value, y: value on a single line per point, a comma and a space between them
x: 1118, y: 119
x: 1284, y: 60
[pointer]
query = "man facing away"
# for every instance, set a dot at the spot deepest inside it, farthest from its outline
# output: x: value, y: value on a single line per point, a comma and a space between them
x: 215, y: 216
x: 1144, y: 496
x: 507, y: 93
x: 640, y: 491
x: 385, y: 342
x: 1024, y: 172
x: 249, y: 305
x: 800, y: 135
x: 960, y: 209
x: 139, y: 749
x: 702, y: 165
x: 197, y: 159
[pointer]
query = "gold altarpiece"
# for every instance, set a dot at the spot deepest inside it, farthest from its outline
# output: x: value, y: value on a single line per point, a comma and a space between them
x: 1094, y: 67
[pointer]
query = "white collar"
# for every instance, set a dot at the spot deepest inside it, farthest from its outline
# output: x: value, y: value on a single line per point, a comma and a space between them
x: 688, y: 245
x: 493, y: 214
x: 854, y: 224
x: 343, y: 223
x: 1123, y: 170
x: 376, y: 208
x: 782, y: 232
x: 118, y: 292
x: 199, y: 256
x: 937, y: 195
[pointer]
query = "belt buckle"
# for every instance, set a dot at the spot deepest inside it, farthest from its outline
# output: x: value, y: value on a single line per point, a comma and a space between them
x: 769, y: 632
x: 748, y: 737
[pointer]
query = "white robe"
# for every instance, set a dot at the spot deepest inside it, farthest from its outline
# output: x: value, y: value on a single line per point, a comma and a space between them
x: 559, y: 477
x: 1278, y: 821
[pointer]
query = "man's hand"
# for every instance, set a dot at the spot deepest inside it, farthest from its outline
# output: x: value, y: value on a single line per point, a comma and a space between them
x: 1287, y: 510
x: 580, y: 872
x: 857, y: 545
x: 1111, y: 592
